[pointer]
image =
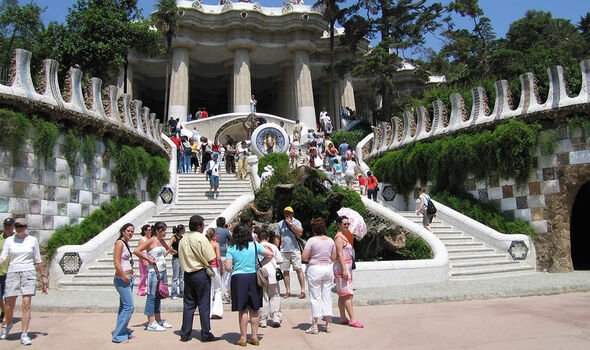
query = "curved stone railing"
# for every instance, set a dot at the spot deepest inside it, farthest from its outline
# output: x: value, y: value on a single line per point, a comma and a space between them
x: 410, y: 128
x: 93, y: 106
x: 383, y: 273
x: 71, y: 259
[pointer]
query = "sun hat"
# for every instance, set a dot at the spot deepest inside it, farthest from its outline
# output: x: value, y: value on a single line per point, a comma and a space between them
x: 289, y: 209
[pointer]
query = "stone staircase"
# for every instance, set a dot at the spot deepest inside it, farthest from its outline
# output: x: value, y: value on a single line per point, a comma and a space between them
x: 469, y: 257
x: 192, y: 199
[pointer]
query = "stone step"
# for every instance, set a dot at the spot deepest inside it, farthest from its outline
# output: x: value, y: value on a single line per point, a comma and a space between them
x: 469, y: 250
x: 466, y: 258
x: 470, y: 273
x: 483, y: 262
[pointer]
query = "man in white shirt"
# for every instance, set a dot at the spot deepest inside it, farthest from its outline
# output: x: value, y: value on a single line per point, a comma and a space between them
x: 242, y: 152
x: 213, y: 172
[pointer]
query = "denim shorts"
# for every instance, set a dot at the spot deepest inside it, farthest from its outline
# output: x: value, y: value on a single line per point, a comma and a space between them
x: 20, y: 283
x: 214, y: 180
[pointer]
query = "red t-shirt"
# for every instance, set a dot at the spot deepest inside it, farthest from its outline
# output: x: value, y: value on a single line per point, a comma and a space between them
x: 204, y: 114
x: 361, y: 181
x: 371, y: 182
x: 176, y: 141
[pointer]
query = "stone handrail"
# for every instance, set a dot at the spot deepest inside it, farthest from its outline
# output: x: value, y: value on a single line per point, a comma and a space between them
x: 89, y: 251
x: 410, y: 128
x: 233, y: 209
x: 100, y: 109
x: 404, y: 271
x: 500, y: 241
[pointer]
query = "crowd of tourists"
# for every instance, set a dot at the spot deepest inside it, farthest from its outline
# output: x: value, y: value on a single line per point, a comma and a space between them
x: 226, y: 264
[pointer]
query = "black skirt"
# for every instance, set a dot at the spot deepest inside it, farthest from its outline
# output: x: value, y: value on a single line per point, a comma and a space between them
x: 245, y: 292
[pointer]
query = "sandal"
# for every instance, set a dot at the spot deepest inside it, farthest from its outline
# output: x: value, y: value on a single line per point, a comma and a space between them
x: 312, y: 330
x: 287, y: 295
x: 302, y: 295
x: 241, y: 342
x: 328, y: 328
x: 356, y: 324
x: 344, y: 321
x: 254, y: 341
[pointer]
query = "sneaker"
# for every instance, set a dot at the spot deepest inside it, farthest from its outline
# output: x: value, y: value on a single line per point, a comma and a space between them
x: 25, y: 340
x: 155, y: 327
x: 165, y: 324
x: 174, y: 297
x: 5, y: 331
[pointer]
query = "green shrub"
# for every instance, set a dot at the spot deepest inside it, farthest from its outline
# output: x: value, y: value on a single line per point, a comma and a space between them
x: 264, y: 197
x: 547, y: 141
x: 416, y: 248
x: 279, y: 162
x: 88, y: 150
x: 127, y: 170
x: 44, y: 139
x: 72, y: 149
x: 485, y: 212
x: 509, y: 150
x: 111, y: 152
x: 351, y: 199
x: 92, y: 225
x: 352, y: 137
x: 158, y: 176
x: 14, y: 128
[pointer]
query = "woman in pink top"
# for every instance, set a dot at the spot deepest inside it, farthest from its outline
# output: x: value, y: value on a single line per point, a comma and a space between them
x: 343, y: 274
x: 216, y: 299
x: 146, y: 233
x: 319, y: 253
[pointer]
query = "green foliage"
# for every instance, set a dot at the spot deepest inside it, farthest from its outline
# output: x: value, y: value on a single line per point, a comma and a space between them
x: 92, y: 225
x: 133, y: 162
x: 19, y: 27
x: 509, y: 150
x: 158, y: 176
x: 72, y: 149
x: 416, y: 248
x: 582, y: 122
x: 309, y: 204
x: 110, y: 28
x: 485, y: 212
x: 14, y: 128
x: 264, y: 197
x: 547, y: 141
x: 44, y: 139
x: 351, y: 199
x: 111, y: 152
x: 279, y: 162
x: 127, y: 171
x: 88, y: 150
x: 352, y: 137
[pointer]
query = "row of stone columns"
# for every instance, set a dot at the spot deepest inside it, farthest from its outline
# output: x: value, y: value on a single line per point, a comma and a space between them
x: 297, y: 87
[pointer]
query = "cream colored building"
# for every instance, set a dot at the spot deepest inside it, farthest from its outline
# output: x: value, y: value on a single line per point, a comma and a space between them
x: 222, y: 54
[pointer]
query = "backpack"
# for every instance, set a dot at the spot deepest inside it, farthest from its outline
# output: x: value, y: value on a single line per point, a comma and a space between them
x: 430, y: 209
x: 187, y: 150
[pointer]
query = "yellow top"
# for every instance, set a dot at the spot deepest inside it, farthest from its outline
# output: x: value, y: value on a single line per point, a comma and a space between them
x: 195, y: 250
x: 4, y: 266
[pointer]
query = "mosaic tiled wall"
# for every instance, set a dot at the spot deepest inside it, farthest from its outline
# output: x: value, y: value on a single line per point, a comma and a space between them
x: 49, y: 197
x: 527, y: 201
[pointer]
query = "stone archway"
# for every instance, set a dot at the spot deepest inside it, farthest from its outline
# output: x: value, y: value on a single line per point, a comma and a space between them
x: 554, y: 249
x: 579, y: 233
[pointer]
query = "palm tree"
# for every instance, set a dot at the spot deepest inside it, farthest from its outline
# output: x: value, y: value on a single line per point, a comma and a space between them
x: 166, y: 16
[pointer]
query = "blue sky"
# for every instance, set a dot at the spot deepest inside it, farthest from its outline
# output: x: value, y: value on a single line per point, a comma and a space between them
x: 501, y: 12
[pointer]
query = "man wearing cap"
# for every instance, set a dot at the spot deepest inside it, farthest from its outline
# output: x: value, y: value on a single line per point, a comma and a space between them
x: 287, y: 232
x: 8, y: 231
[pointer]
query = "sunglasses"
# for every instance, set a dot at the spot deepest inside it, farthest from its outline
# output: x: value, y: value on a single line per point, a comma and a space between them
x: 346, y: 224
x: 17, y: 225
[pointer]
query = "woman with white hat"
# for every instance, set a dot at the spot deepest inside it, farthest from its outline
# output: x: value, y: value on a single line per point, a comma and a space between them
x: 21, y: 278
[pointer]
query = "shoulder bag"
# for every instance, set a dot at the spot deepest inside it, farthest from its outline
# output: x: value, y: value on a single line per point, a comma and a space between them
x: 261, y: 274
x: 162, y: 291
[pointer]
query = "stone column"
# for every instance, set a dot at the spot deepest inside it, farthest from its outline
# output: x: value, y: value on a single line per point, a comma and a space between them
x: 121, y: 81
x: 347, y: 92
x: 288, y: 92
x: 179, y: 84
x: 303, y: 85
x: 242, y: 84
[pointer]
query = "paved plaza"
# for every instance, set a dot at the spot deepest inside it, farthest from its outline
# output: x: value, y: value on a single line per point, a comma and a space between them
x: 536, y: 311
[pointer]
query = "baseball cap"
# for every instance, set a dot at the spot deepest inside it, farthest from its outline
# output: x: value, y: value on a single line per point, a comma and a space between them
x: 289, y: 209
x: 20, y: 222
x: 8, y: 222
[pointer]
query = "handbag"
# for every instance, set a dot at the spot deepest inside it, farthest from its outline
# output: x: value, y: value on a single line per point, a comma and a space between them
x: 261, y: 273
x: 162, y: 291
x: 279, y: 275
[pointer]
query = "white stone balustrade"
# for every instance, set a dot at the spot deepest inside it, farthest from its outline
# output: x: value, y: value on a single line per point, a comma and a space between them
x: 120, y: 116
x: 443, y: 123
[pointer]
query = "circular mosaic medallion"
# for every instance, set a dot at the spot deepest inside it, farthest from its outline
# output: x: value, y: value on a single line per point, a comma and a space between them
x: 269, y: 138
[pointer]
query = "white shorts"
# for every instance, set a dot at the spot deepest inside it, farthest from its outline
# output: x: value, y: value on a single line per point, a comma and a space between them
x: 20, y: 283
x: 291, y: 258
